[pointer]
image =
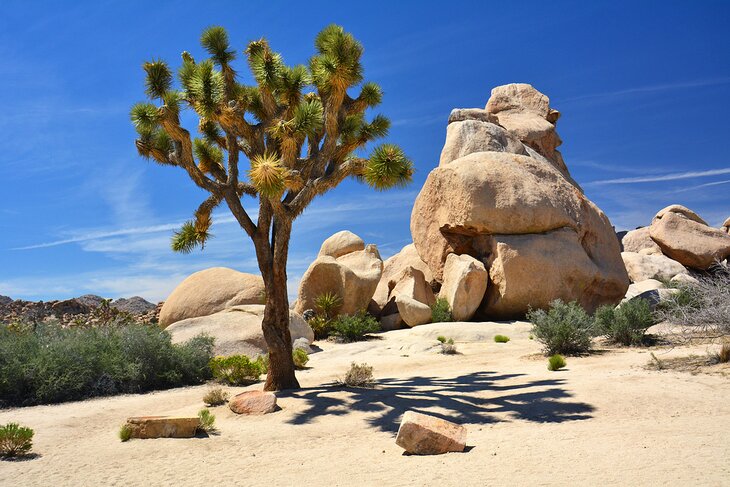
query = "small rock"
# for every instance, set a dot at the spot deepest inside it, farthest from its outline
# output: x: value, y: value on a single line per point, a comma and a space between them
x: 302, y: 343
x: 413, y: 312
x: 253, y: 402
x: 422, y: 434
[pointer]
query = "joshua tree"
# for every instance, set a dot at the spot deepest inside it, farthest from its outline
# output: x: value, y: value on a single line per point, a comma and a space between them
x: 298, y: 128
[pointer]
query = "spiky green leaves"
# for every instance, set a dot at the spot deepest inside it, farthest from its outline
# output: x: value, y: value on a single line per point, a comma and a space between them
x: 308, y: 118
x: 215, y: 41
x: 266, y: 66
x: 188, y: 238
x: 371, y: 94
x: 205, y: 88
x: 268, y: 175
x: 355, y: 131
x: 144, y: 117
x: 208, y: 155
x: 388, y: 167
x: 158, y: 80
x: 338, y: 63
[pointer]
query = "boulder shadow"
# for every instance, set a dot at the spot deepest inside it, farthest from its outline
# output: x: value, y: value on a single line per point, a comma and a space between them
x: 455, y: 399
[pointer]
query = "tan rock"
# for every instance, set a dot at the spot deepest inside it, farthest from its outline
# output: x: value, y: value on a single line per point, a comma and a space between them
x: 209, y: 291
x: 253, y: 403
x: 464, y: 285
x: 411, y: 283
x: 641, y: 267
x: 640, y: 287
x: 680, y: 210
x: 145, y: 427
x: 461, y: 114
x: 685, y: 279
x: 463, y: 138
x: 412, y: 312
x: 421, y: 434
x: 391, y: 322
x: 726, y: 225
x: 639, y: 240
x: 393, y: 269
x: 689, y: 242
x: 353, y: 276
x: 237, y: 330
x: 474, y: 203
x: 341, y: 243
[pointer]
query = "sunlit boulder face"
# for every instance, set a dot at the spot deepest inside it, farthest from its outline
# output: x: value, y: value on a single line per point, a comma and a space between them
x: 511, y: 203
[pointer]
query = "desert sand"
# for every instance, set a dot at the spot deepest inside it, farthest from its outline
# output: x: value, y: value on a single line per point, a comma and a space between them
x: 605, y: 420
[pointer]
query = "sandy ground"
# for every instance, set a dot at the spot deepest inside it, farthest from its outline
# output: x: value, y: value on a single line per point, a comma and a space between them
x: 605, y: 420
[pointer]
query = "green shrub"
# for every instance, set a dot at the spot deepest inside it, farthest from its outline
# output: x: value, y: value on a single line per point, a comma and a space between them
x: 207, y: 421
x: 125, y: 432
x: 300, y: 358
x: 556, y: 362
x: 354, y: 328
x: 321, y: 327
x: 626, y: 324
x: 441, y: 311
x: 327, y: 305
x: 15, y: 440
x: 501, y: 339
x: 237, y: 370
x: 48, y: 363
x: 215, y: 397
x: 359, y: 375
x: 565, y: 328
x: 441, y: 338
x: 447, y: 346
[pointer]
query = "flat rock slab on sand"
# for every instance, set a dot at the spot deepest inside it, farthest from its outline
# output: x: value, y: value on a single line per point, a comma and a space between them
x: 422, y: 434
x: 145, y: 427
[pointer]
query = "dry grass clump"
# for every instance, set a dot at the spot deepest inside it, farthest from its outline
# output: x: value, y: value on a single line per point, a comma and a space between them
x: 448, y: 347
x: 215, y: 396
x: 300, y: 357
x: 693, y: 364
x: 359, y: 375
x: 723, y: 356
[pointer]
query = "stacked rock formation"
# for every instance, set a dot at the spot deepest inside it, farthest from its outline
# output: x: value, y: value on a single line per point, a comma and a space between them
x: 503, y: 195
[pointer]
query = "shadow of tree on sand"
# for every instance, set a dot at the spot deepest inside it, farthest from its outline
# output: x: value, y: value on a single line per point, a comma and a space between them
x: 476, y: 398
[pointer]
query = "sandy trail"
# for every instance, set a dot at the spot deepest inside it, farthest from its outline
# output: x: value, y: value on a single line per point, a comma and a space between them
x: 603, y: 421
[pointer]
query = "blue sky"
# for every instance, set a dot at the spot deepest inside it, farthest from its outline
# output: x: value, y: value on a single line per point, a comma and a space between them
x: 643, y: 87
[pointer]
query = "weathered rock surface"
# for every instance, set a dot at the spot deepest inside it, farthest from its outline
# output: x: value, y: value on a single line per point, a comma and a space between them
x: 689, y: 242
x: 469, y: 136
x: 726, y: 225
x: 145, y: 427
x: 421, y: 434
x: 464, y: 284
x: 209, y: 291
x: 253, y: 402
x: 391, y: 322
x: 480, y: 114
x: 393, y: 269
x: 412, y: 312
x: 639, y: 241
x: 237, y: 330
x: 654, y: 296
x: 679, y: 210
x: 135, y: 305
x: 411, y: 283
x: 640, y: 287
x: 685, y: 279
x: 341, y: 243
x: 353, y: 276
x: 641, y: 267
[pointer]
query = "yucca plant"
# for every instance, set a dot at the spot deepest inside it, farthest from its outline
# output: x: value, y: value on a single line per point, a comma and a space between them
x: 299, y: 129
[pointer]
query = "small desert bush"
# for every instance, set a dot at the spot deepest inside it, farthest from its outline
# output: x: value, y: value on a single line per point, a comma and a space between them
x: 627, y: 323
x: 723, y: 356
x: 327, y: 306
x: 352, y: 328
x: 300, y: 358
x: 448, y: 347
x: 441, y: 311
x: 565, y: 328
x: 15, y: 440
x: 125, y: 432
x: 556, y: 362
x: 48, y: 363
x: 207, y: 421
x: 215, y: 396
x: 320, y: 326
x: 501, y: 339
x: 359, y: 375
x: 237, y: 370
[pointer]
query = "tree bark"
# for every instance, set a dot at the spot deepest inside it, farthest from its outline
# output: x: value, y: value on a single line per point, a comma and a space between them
x: 276, y: 313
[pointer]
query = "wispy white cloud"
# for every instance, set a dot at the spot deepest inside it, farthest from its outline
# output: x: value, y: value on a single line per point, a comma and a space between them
x: 649, y: 89
x: 661, y: 177
x: 700, y: 186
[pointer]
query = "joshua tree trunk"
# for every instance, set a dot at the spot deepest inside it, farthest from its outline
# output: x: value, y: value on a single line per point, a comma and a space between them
x: 272, y: 263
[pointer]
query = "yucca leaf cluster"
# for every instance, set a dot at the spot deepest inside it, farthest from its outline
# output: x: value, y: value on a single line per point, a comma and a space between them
x: 291, y: 135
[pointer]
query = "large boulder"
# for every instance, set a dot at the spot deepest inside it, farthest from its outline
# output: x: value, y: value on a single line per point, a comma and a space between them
x: 688, y: 241
x: 641, y: 266
x: 253, y: 403
x: 412, y: 312
x: 411, y: 283
x: 465, y: 281
x: 393, y: 269
x: 352, y: 275
x: 523, y: 216
x: 639, y: 240
x: 469, y: 136
x: 680, y: 210
x: 237, y: 330
x: 209, y: 291
x: 341, y: 243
